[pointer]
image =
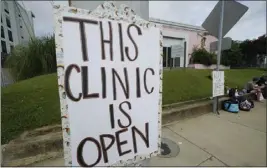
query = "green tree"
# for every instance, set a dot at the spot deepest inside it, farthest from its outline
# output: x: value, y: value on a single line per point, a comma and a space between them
x: 245, y: 53
x: 202, y: 56
x: 38, y: 57
x: 233, y: 57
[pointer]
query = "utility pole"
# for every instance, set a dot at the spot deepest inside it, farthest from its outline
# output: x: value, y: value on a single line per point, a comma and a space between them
x: 216, y: 99
x: 222, y: 18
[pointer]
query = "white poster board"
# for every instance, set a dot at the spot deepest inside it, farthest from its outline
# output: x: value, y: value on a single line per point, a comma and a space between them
x: 109, y: 85
x: 217, y: 83
x: 177, y: 51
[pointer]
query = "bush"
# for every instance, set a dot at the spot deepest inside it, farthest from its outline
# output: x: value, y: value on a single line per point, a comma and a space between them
x: 202, y: 56
x: 36, y: 58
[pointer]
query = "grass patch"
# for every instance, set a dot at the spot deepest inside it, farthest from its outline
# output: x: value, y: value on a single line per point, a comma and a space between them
x: 29, y: 104
x: 34, y: 103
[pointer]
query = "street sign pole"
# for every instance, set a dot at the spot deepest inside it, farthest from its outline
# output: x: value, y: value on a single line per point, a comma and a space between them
x: 216, y: 100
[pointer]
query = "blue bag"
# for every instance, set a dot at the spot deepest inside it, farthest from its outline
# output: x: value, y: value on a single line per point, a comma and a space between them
x: 231, y: 106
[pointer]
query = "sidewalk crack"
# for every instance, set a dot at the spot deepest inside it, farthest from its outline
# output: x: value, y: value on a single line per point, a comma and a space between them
x: 197, y: 146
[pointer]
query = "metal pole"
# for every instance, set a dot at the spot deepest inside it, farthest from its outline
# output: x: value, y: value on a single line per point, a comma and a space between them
x: 216, y: 99
x: 69, y: 2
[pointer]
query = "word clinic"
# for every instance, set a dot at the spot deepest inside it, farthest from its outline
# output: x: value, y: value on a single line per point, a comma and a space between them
x: 123, y: 81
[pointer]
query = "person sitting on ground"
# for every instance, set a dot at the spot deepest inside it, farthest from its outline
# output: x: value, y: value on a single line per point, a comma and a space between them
x: 252, y: 87
x: 263, y: 84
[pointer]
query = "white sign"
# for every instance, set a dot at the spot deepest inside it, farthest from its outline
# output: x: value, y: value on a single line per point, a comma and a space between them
x: 177, y: 51
x: 112, y: 87
x: 217, y: 83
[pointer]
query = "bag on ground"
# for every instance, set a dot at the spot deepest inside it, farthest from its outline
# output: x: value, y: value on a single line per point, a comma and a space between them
x: 246, y: 105
x: 231, y: 105
x: 261, y: 97
x: 231, y: 92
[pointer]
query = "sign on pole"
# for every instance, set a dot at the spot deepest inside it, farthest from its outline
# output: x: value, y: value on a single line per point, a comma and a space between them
x: 233, y: 11
x: 217, y: 83
x: 226, y: 44
x: 109, y: 83
x: 219, y: 22
x: 177, y: 51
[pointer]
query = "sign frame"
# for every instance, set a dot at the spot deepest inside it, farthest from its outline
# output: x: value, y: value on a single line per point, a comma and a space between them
x: 107, y: 11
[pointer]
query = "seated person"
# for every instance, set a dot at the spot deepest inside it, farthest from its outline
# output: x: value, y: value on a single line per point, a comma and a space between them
x: 263, y: 84
x: 253, y: 87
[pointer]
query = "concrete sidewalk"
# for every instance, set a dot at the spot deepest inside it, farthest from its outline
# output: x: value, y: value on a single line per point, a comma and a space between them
x: 211, y: 140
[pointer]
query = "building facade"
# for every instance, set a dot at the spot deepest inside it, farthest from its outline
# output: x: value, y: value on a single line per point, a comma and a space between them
x: 185, y: 35
x: 16, y: 25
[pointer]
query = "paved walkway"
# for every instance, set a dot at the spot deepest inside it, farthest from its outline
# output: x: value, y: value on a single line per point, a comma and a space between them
x: 210, y: 140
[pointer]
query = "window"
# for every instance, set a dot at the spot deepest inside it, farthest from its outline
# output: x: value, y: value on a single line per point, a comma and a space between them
x: 167, y: 60
x: 22, y: 37
x: 8, y: 22
x: 3, y: 45
x: 6, y: 6
x: 10, y: 37
x: 2, y: 32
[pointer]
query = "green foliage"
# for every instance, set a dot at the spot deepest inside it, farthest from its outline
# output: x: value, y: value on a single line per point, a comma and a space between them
x: 202, y: 56
x: 38, y: 57
x: 232, y: 57
x: 248, y: 53
x: 34, y: 103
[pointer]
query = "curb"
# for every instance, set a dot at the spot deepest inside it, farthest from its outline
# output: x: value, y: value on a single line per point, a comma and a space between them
x: 47, y: 143
x: 40, y: 144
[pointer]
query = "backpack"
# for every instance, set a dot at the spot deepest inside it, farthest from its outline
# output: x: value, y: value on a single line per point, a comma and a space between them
x: 231, y: 93
x: 231, y: 105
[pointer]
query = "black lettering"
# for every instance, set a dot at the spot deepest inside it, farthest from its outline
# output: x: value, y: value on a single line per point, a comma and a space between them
x: 82, y: 33
x: 85, y: 85
x: 125, y: 114
x: 124, y: 87
x: 67, y: 84
x: 104, y: 147
x: 111, y: 112
x: 104, y: 83
x: 120, y: 143
x: 138, y: 90
x: 145, y: 84
x: 121, y: 42
x: 110, y: 41
x: 80, y: 158
x: 145, y: 138
x: 131, y: 38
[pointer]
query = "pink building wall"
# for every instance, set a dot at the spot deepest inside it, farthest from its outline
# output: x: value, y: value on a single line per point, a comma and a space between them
x: 193, y: 39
